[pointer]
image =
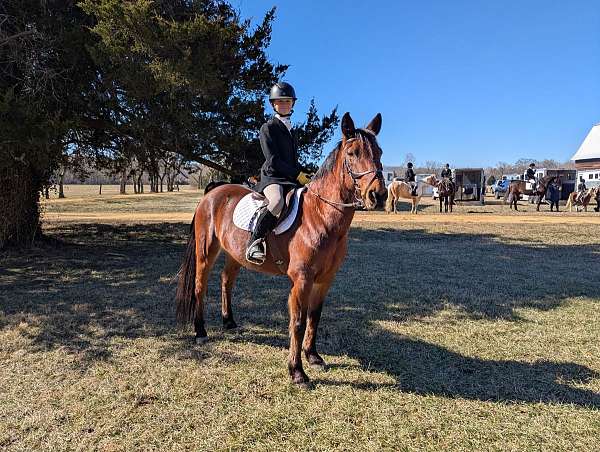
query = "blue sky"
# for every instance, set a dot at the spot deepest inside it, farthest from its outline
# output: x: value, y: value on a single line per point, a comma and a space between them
x: 468, y: 82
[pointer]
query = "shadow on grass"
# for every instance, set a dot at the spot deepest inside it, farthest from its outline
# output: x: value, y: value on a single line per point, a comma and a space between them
x: 101, y: 282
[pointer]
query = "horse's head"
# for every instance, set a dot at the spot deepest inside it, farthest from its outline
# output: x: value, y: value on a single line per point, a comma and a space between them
x: 431, y: 180
x: 362, y: 160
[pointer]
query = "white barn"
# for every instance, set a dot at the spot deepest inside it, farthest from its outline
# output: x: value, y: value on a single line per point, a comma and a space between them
x: 587, y: 158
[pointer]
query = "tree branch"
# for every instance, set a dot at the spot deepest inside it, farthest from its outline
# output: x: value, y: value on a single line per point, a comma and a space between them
x: 17, y: 36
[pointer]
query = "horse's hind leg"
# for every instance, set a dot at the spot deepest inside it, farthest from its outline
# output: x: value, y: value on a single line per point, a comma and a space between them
x: 228, y: 277
x: 207, y: 251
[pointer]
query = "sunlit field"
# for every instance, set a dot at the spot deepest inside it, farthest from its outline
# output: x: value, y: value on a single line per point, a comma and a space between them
x: 472, y: 330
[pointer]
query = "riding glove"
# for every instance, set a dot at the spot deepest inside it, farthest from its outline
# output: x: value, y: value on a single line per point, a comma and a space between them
x: 303, y: 178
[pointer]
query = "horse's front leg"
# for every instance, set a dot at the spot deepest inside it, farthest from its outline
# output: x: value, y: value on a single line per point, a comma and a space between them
x: 298, y: 305
x: 309, y: 346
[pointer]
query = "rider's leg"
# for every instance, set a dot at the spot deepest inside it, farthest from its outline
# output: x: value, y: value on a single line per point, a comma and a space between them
x: 266, y: 221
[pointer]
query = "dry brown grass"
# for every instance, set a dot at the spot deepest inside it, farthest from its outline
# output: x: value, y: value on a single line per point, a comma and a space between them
x: 440, y: 334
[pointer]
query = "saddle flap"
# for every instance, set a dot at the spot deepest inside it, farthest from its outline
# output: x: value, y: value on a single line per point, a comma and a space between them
x: 245, y: 212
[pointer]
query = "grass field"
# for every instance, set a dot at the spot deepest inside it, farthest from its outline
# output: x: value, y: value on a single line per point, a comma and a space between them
x: 472, y: 331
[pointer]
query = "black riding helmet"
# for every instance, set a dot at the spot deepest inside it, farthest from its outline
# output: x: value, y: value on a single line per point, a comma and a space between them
x: 409, y: 164
x: 282, y: 90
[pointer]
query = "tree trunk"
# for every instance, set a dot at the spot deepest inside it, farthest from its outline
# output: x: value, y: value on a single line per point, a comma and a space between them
x: 123, y: 184
x: 19, y: 206
x: 100, y: 192
x: 61, y: 190
x: 134, y: 180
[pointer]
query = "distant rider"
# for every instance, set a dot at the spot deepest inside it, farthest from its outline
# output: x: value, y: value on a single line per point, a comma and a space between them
x: 447, y: 172
x: 409, y: 177
x: 581, y: 190
x: 530, y: 176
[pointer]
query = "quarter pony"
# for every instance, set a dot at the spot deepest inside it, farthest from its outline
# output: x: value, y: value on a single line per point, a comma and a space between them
x: 312, y: 250
x: 583, y: 201
x: 400, y: 189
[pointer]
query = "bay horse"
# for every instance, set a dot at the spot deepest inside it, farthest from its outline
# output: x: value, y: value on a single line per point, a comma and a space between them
x: 518, y: 187
x: 446, y: 191
x: 583, y: 202
x: 400, y: 189
x: 310, y: 253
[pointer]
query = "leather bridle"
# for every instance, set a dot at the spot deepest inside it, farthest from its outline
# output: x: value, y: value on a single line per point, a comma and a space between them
x: 358, y: 201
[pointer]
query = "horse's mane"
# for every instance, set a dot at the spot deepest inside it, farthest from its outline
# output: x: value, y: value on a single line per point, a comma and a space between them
x: 329, y: 164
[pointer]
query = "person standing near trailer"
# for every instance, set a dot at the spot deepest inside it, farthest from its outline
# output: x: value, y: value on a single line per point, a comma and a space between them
x: 553, y: 195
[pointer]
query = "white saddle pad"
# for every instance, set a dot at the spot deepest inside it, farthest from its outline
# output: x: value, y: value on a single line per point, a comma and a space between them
x: 244, y: 214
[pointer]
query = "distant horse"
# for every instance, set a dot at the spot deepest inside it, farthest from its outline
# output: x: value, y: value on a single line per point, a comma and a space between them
x: 582, y: 202
x: 518, y: 187
x: 309, y: 253
x: 446, y: 191
x: 400, y: 189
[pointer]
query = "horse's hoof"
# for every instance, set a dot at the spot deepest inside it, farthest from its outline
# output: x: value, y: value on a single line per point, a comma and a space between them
x: 319, y: 366
x: 300, y: 379
x: 316, y: 362
x: 229, y: 324
x: 201, y: 340
x: 304, y: 386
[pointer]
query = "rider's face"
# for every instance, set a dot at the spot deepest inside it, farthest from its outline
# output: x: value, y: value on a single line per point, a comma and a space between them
x: 283, y: 106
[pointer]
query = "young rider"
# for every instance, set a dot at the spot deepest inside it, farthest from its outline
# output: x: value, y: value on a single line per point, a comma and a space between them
x: 447, y: 172
x: 281, y: 171
x: 530, y: 176
x: 409, y: 176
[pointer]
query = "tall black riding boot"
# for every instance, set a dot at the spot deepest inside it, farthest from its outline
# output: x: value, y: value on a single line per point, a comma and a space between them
x: 257, y: 246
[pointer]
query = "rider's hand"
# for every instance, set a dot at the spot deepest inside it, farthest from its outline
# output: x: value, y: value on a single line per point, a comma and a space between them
x: 303, y: 178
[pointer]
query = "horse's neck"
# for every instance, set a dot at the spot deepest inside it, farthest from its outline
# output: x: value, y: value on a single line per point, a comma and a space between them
x: 331, y: 187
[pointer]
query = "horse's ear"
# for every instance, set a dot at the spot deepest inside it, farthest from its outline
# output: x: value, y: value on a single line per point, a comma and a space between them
x: 375, y: 124
x: 348, y: 129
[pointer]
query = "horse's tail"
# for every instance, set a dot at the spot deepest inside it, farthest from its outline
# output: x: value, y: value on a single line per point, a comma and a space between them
x: 569, y: 204
x: 186, y: 286
x: 389, y: 202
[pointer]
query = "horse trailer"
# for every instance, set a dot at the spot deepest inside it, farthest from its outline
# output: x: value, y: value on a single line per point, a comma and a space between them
x: 468, y: 183
x: 388, y: 177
